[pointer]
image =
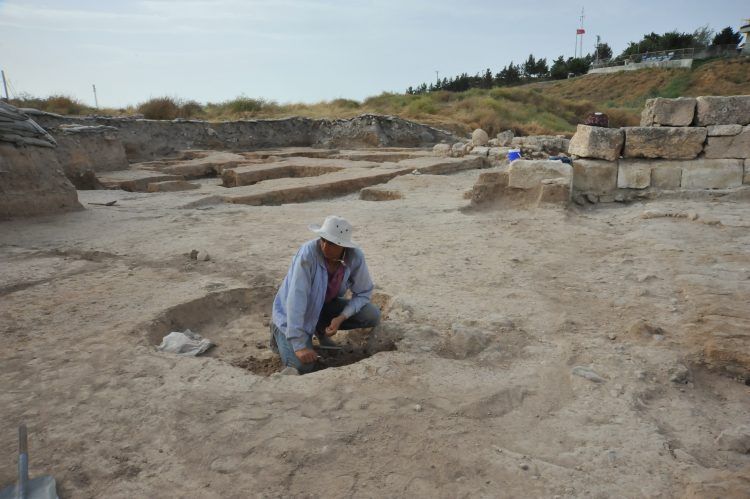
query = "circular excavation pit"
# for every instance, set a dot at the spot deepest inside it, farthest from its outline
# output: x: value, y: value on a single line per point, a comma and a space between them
x: 237, y: 322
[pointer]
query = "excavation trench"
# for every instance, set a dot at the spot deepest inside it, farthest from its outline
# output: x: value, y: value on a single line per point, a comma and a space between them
x: 237, y: 321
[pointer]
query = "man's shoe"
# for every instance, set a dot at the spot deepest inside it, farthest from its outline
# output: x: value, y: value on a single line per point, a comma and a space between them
x: 325, y: 341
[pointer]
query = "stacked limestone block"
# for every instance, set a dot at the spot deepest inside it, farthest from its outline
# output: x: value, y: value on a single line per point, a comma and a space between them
x: 684, y: 143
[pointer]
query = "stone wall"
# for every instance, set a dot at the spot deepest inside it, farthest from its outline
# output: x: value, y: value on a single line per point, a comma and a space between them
x: 682, y: 144
x: 144, y: 140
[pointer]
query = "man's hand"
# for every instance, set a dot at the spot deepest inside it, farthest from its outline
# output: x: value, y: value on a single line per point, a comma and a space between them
x: 306, y: 355
x: 335, y: 325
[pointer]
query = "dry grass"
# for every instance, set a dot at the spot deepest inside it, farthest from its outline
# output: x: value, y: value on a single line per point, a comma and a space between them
x: 538, y: 108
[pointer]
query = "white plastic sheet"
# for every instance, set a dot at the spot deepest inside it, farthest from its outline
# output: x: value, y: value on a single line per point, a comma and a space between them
x: 185, y: 343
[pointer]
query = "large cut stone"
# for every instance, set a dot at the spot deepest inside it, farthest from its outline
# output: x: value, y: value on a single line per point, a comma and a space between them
x: 594, y: 176
x: 712, y: 174
x: 32, y: 182
x: 554, y: 191
x: 663, y: 142
x: 489, y: 186
x: 668, y: 112
x: 597, y: 142
x: 666, y: 174
x: 527, y: 174
x: 736, y: 146
x: 634, y: 174
x: 723, y: 130
x: 730, y: 110
x: 442, y: 150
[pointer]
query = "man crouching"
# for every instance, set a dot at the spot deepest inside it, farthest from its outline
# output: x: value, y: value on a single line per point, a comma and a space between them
x: 311, y: 299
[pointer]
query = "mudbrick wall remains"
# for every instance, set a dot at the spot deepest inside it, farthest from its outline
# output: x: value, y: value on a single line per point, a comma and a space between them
x: 143, y: 140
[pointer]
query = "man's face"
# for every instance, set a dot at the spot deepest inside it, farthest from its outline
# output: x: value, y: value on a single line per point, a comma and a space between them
x: 331, y: 251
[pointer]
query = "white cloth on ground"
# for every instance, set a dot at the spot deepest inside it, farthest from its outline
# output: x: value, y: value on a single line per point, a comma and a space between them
x: 185, y: 343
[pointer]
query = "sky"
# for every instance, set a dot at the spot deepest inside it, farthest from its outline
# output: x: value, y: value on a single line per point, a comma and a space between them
x: 306, y: 50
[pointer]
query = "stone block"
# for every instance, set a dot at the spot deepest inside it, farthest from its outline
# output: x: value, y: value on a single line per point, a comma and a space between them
x: 458, y: 149
x: 594, y: 176
x: 527, y: 174
x: 504, y: 138
x: 554, y: 191
x: 663, y: 142
x: 729, y: 110
x: 634, y: 174
x: 597, y: 142
x: 443, y: 150
x: 479, y: 137
x: 666, y: 174
x: 723, y: 130
x: 668, y: 112
x: 171, y: 186
x: 735, y: 146
x: 481, y: 151
x: 489, y: 186
x: 746, y: 178
x: 712, y: 174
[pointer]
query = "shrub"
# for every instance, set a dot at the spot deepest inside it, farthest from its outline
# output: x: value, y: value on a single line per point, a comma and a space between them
x: 160, y: 108
x: 242, y: 104
x: 58, y: 104
x: 345, y: 103
x: 190, y: 109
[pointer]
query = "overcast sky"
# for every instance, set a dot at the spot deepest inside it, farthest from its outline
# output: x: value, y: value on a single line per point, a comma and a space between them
x: 305, y: 50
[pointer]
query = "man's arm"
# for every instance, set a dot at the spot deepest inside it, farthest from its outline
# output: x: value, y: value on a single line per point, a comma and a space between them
x: 300, y: 285
x: 361, y: 288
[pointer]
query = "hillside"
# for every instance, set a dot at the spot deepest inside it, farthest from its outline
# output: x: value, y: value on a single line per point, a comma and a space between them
x: 553, y: 107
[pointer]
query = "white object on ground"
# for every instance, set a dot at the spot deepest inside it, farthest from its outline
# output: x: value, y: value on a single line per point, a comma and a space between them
x: 184, y: 343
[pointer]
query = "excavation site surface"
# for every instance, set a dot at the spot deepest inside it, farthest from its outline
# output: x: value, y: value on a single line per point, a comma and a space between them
x: 587, y: 351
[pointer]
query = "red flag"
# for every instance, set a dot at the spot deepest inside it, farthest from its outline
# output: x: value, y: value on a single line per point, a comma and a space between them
x: 580, y: 31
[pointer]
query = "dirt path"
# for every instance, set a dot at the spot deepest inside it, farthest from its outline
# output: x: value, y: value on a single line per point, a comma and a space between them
x: 493, y: 310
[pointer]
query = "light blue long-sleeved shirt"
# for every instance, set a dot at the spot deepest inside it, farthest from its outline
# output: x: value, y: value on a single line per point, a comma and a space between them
x: 300, y: 298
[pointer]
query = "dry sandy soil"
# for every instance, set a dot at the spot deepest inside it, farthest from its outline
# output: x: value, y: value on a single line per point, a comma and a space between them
x: 491, y: 311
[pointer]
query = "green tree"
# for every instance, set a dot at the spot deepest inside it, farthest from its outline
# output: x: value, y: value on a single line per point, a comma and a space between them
x: 559, y: 70
x: 727, y: 36
x: 541, y: 69
x: 529, y: 67
x: 604, y: 51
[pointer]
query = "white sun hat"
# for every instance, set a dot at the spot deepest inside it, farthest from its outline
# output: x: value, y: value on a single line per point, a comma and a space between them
x: 336, y: 230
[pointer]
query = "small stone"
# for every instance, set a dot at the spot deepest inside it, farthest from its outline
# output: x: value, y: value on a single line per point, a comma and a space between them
x: 193, y: 254
x: 679, y: 374
x: 735, y: 439
x: 587, y: 373
x: 524, y: 466
x: 418, y: 408
x: 612, y: 336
